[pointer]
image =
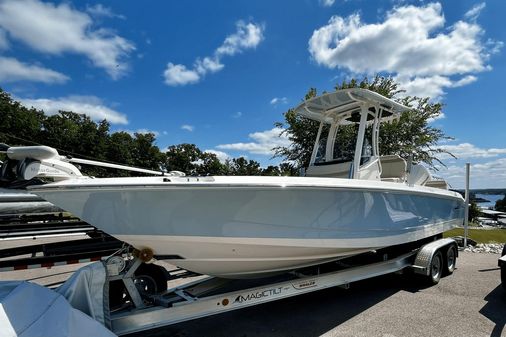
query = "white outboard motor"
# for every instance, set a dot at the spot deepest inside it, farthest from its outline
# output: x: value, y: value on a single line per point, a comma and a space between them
x: 27, y: 162
x: 41, y: 162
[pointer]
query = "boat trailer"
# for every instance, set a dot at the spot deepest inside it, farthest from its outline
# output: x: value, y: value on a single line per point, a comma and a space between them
x: 135, y: 302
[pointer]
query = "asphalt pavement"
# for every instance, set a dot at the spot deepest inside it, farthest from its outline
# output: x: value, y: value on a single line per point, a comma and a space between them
x: 471, y: 302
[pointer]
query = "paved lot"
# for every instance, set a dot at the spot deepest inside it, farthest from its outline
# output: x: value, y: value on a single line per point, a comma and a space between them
x: 471, y: 302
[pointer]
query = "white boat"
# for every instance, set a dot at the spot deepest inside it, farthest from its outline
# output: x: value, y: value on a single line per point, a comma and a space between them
x: 244, y: 226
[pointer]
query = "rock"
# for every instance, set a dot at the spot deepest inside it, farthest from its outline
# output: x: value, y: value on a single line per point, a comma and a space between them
x: 486, y: 248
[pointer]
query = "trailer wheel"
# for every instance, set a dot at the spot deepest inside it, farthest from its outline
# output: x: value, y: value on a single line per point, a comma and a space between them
x: 118, y: 295
x: 503, y: 276
x: 150, y: 279
x: 451, y: 259
x: 436, y: 267
x: 503, y: 269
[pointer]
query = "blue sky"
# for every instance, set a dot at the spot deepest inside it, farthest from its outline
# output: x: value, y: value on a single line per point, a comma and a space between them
x: 219, y: 74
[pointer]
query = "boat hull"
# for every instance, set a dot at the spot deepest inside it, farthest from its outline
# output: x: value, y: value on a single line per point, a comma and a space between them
x: 251, y: 230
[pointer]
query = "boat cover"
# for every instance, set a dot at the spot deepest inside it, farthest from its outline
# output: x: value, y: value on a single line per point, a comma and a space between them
x: 84, y: 290
x: 30, y: 310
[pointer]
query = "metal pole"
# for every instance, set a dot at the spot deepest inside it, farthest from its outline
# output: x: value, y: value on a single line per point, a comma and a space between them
x: 466, y: 214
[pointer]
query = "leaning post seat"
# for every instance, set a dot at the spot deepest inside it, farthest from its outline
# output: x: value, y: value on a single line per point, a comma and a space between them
x: 329, y: 169
x: 393, y: 168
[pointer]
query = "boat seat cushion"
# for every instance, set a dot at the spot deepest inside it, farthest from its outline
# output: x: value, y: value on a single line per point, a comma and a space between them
x: 392, y: 166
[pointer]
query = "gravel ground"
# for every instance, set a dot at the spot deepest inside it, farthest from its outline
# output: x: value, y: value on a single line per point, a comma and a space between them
x: 493, y: 248
x: 470, y: 302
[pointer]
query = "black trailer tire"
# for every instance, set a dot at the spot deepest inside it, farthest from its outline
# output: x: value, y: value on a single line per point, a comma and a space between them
x: 503, y: 269
x: 151, y: 279
x: 436, y: 268
x: 450, y: 260
x: 503, y: 276
x: 117, y: 294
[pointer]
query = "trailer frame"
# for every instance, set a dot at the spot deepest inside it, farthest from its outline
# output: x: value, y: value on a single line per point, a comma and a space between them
x: 211, y: 295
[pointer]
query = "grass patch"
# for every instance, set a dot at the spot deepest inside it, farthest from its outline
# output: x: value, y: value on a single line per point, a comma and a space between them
x: 480, y: 235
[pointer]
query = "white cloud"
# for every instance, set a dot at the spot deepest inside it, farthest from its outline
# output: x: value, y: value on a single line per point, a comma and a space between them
x: 208, y: 65
x: 187, y: 127
x: 236, y: 115
x: 467, y: 150
x: 99, y: 10
x: 4, y: 43
x: 263, y: 142
x: 246, y: 36
x: 57, y: 29
x: 327, y: 3
x: 483, y: 175
x: 177, y: 74
x: 474, y: 12
x: 91, y: 106
x: 412, y: 43
x: 12, y: 70
x: 222, y: 156
x: 464, y: 81
x: 279, y: 100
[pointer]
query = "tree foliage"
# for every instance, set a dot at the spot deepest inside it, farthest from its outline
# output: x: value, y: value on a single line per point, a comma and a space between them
x: 77, y: 135
x: 410, y: 135
x: 188, y: 158
x: 500, y: 205
x: 474, y: 211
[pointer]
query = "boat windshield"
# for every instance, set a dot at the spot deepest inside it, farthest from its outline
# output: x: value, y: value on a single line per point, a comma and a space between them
x: 345, y: 142
x: 320, y: 153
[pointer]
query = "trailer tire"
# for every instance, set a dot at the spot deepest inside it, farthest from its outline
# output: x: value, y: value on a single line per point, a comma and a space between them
x: 117, y: 294
x: 450, y: 260
x: 503, y: 277
x: 151, y: 279
x: 503, y: 269
x: 436, y: 268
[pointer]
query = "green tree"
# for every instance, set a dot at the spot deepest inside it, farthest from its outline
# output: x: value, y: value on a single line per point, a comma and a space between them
x: 288, y: 169
x: 18, y: 124
x: 209, y: 164
x: 183, y: 157
x: 411, y: 134
x: 500, y: 205
x: 119, y: 148
x: 474, y: 211
x: 271, y: 170
x: 76, y: 134
x: 188, y: 158
x: 145, y: 154
x: 243, y: 167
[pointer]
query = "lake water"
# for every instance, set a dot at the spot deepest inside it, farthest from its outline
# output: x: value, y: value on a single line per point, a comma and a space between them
x: 491, y: 197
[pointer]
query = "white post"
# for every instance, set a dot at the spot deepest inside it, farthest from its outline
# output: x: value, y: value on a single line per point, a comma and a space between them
x: 317, y: 142
x: 466, y: 210
x: 360, y: 140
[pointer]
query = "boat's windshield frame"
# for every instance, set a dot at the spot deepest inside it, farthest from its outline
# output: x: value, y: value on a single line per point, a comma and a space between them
x: 369, y: 116
x: 347, y: 106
